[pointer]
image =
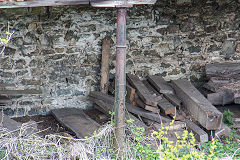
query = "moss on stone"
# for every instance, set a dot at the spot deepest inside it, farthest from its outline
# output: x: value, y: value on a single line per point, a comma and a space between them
x: 174, y: 72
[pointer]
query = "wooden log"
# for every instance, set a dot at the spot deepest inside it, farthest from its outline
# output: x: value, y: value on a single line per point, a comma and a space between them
x: 20, y: 92
x: 142, y: 90
x: 166, y: 107
x: 201, y: 109
x: 172, y: 98
x: 140, y: 103
x: 105, y: 65
x: 130, y: 93
x: 227, y: 69
x: 199, y: 134
x: 160, y: 84
x: 133, y: 109
x: 220, y: 98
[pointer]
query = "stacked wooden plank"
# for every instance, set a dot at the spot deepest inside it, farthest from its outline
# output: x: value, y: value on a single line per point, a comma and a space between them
x: 157, y: 101
x: 224, y: 83
x: 150, y: 94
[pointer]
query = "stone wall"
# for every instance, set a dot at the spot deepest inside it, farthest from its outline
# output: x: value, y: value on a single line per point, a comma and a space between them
x: 58, y: 49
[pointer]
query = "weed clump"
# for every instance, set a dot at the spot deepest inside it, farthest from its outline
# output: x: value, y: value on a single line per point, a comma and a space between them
x: 138, y: 145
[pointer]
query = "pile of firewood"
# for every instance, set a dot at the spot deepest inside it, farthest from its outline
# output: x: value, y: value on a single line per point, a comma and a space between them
x: 224, y: 83
x: 156, y: 102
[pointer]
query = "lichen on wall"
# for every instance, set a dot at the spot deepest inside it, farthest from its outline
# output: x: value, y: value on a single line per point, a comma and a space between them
x: 59, y: 51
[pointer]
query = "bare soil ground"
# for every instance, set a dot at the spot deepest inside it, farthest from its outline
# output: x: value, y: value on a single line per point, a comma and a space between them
x: 49, y: 125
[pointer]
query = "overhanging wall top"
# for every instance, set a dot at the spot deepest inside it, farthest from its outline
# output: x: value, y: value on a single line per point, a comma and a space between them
x: 94, y: 3
x: 39, y: 3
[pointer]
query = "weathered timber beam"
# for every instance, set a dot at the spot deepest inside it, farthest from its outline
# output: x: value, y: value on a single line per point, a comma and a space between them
x: 152, y: 91
x: 165, y: 106
x: 142, y: 90
x: 76, y: 120
x: 214, y: 87
x: 105, y: 65
x: 172, y: 98
x: 130, y: 93
x: 177, y: 125
x: 160, y: 84
x: 199, y: 134
x: 102, y: 106
x: 201, y: 109
x: 140, y: 103
x: 229, y: 70
x: 221, y: 98
x: 106, y: 108
x: 133, y: 109
x: 41, y: 3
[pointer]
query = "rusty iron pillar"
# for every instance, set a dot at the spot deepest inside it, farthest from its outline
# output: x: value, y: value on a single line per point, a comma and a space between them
x: 120, y: 78
x: 120, y: 85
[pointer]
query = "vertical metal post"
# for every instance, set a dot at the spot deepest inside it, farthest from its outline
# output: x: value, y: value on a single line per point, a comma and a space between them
x: 120, y: 81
